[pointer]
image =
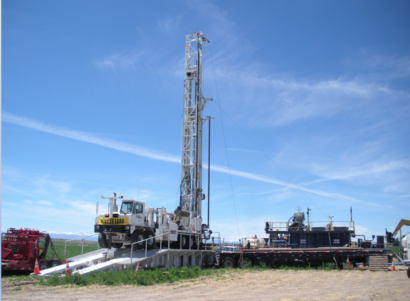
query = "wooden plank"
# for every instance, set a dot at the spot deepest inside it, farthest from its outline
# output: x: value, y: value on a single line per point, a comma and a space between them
x: 378, y: 263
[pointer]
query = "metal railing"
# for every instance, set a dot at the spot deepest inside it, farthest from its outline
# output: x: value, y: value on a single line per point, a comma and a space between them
x: 326, y: 225
x: 82, y: 243
x: 169, y: 243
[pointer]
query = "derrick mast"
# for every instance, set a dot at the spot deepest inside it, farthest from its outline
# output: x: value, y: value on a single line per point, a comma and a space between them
x: 191, y: 194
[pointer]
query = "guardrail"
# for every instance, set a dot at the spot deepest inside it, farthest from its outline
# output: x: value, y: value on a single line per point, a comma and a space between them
x: 82, y: 243
x: 326, y: 225
x: 169, y: 243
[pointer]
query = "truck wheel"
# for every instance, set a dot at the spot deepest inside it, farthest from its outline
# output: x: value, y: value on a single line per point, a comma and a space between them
x: 228, y: 263
x: 43, y: 265
x: 53, y: 263
x: 408, y: 272
x: 117, y: 245
x: 151, y: 242
x: 244, y: 263
x: 102, y: 240
x: 138, y: 235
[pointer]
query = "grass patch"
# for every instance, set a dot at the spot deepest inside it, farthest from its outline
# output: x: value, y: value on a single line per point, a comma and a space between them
x: 130, y: 277
x: 157, y: 276
x: 71, y: 251
x: 395, y: 249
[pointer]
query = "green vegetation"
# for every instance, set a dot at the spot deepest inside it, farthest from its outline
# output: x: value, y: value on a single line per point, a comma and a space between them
x: 156, y: 276
x: 71, y: 251
x: 394, y: 249
x: 130, y: 277
x: 161, y: 275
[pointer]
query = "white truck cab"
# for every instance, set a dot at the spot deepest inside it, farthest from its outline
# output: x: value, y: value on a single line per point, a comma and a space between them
x: 133, y: 221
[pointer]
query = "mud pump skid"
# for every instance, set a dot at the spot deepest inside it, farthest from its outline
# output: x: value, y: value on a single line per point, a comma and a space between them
x: 133, y: 221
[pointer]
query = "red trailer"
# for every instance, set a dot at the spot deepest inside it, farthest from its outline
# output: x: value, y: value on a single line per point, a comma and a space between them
x: 20, y: 249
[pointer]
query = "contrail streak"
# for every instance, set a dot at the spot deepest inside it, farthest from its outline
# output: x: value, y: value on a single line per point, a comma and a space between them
x: 144, y: 152
x: 85, y: 137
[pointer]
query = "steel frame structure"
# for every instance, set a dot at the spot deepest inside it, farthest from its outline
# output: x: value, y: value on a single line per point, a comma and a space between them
x: 191, y: 195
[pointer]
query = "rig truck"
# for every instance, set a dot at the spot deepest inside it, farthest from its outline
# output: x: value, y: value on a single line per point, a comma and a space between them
x: 134, y: 221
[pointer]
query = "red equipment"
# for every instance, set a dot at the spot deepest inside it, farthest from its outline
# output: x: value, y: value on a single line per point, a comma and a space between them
x: 20, y: 249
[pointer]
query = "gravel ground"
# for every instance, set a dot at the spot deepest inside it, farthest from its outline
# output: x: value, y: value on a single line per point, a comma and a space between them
x: 237, y: 285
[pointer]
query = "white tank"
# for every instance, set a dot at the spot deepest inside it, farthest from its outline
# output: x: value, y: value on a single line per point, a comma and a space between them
x: 405, y: 244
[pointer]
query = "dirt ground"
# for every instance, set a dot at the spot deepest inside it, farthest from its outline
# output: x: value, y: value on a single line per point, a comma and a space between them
x: 237, y: 285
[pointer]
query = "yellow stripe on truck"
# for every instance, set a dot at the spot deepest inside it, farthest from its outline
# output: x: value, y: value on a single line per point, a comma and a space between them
x: 112, y: 221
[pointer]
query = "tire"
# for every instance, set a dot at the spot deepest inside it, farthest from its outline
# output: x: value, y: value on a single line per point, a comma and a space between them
x: 408, y: 272
x: 151, y: 242
x: 117, y: 245
x: 102, y: 241
x: 228, y: 263
x: 43, y: 265
x: 138, y: 235
x: 53, y: 263
x: 244, y: 263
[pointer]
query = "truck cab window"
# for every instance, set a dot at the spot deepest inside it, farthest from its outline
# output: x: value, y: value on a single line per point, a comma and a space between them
x: 138, y: 208
x: 126, y: 207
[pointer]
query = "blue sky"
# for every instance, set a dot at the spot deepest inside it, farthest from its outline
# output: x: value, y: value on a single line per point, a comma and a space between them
x: 307, y: 93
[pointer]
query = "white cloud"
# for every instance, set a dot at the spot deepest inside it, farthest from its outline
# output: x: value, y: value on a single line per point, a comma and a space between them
x: 373, y: 169
x: 170, y: 23
x: 360, y: 230
x: 119, y: 61
x: 84, y: 207
x: 256, y: 177
x: 381, y: 67
x: 271, y: 101
x: 43, y: 185
x: 258, y: 96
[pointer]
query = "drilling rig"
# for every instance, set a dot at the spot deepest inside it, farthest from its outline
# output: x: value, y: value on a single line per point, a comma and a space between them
x: 135, y: 221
